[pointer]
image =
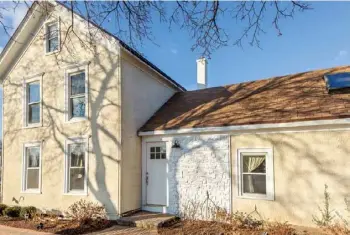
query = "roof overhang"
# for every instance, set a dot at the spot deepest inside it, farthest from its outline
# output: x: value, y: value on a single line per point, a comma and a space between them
x: 19, y: 40
x: 257, y: 128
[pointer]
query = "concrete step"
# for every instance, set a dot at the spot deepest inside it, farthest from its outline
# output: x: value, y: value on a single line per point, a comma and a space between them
x: 148, y: 220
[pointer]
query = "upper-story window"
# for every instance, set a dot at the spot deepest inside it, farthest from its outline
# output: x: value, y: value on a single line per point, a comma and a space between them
x: 32, y: 102
x: 33, y: 89
x: 76, y: 94
x: 52, y: 37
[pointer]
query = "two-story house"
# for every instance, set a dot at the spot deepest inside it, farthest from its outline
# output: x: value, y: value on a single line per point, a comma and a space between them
x: 72, y: 111
x: 90, y: 118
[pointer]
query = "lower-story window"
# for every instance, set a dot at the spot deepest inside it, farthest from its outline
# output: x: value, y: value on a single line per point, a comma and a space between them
x: 31, y: 181
x: 76, y: 166
x: 255, y: 174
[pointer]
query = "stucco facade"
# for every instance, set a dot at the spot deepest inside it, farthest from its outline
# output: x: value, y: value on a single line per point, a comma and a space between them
x: 303, y: 163
x: 108, y: 119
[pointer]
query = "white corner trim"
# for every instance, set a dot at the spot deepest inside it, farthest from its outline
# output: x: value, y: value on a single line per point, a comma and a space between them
x: 241, y: 128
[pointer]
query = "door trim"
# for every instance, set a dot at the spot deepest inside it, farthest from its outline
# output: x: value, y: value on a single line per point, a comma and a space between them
x: 160, y: 208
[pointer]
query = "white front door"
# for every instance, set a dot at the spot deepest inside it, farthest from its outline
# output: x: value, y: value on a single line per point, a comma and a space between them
x: 156, y: 174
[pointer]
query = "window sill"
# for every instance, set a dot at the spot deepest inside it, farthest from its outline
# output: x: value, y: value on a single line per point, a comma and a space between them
x: 257, y: 197
x: 31, y: 192
x: 76, y: 193
x: 52, y: 52
x: 74, y: 120
x: 33, y: 126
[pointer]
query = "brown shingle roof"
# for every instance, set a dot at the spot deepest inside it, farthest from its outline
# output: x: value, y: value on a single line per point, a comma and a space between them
x: 297, y: 97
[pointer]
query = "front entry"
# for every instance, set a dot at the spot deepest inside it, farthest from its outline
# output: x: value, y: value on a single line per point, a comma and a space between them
x: 156, y: 174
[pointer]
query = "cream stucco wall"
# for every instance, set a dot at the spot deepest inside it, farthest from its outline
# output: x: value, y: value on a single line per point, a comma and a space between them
x: 143, y: 93
x: 303, y: 163
x: 102, y: 127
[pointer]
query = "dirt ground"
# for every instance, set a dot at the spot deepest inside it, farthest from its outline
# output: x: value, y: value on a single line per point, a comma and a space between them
x: 213, y: 228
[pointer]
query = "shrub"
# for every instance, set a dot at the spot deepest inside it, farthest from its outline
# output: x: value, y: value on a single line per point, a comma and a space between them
x: 13, y: 211
x: 326, y: 213
x: 86, y: 211
x: 2, y: 208
x: 30, y: 210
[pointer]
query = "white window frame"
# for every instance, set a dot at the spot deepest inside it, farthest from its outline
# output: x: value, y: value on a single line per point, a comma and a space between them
x: 76, y: 140
x: 26, y: 82
x: 67, y: 90
x: 24, y: 167
x: 270, y: 191
x: 46, y: 44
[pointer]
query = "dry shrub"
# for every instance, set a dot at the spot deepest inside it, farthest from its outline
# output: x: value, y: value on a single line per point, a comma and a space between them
x: 239, y: 220
x: 85, y: 211
x: 279, y: 229
x: 337, y: 229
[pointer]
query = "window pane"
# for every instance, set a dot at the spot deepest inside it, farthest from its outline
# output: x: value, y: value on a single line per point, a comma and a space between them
x: 254, y: 164
x: 153, y: 149
x: 152, y: 155
x: 33, y: 179
x: 34, y: 113
x: 163, y: 156
x: 78, y: 107
x: 53, y: 44
x: 33, y: 156
x: 76, y: 179
x: 34, y: 92
x: 77, y: 155
x: 52, y: 31
x: 77, y: 84
x: 254, y: 184
x: 158, y: 149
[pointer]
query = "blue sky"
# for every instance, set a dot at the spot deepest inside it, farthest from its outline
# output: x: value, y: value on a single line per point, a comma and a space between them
x: 314, y: 39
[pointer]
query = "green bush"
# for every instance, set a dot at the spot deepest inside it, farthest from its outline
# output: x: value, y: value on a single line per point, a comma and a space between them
x: 2, y: 208
x: 13, y: 211
x: 30, y: 210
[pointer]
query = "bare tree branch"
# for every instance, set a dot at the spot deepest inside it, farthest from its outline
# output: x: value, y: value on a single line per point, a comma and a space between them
x: 205, y: 21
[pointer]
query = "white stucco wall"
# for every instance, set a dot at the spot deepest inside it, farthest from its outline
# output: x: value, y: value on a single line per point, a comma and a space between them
x: 200, y: 168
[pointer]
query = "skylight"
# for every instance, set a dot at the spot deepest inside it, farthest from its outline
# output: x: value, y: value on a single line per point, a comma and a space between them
x: 337, y: 81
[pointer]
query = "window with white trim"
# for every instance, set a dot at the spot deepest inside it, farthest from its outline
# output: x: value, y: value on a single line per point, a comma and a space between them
x: 32, y: 101
x: 52, y: 37
x: 76, y: 92
x: 76, y: 166
x: 32, y: 167
x: 255, y: 174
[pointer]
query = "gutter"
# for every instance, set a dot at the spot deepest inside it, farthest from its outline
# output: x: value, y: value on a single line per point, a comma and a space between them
x: 254, y: 128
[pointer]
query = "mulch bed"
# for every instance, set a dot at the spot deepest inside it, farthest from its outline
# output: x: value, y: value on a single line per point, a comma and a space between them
x: 194, y: 227
x: 58, y: 226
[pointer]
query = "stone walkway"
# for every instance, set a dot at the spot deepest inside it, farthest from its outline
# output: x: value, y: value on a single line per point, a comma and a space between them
x: 6, y: 230
x: 115, y: 230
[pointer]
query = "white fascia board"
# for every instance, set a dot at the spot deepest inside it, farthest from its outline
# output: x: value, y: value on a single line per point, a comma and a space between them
x: 338, y: 123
